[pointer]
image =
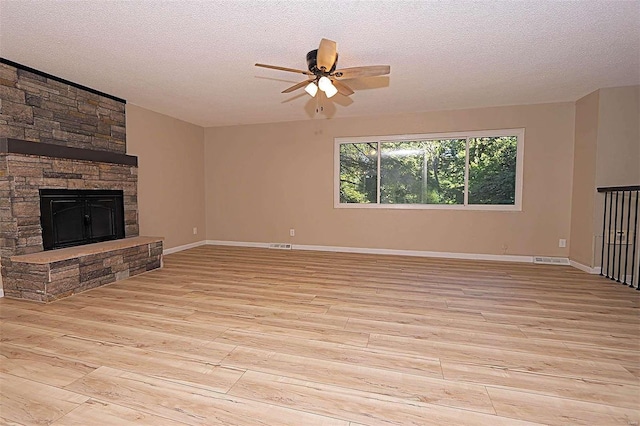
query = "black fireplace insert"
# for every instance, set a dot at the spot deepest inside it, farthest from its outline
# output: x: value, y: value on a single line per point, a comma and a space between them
x: 73, y: 217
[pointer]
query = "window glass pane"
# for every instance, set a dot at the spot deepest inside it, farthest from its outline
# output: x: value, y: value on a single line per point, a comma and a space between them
x: 492, y: 170
x: 422, y: 172
x: 358, y: 172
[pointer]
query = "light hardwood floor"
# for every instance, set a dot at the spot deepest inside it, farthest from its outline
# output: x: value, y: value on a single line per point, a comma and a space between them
x: 238, y: 336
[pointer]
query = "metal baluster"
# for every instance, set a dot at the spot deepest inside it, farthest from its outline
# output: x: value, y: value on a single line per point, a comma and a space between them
x: 604, y: 221
x: 635, y: 233
x: 620, y: 245
x: 615, y: 230
x: 609, y: 237
x: 626, y: 246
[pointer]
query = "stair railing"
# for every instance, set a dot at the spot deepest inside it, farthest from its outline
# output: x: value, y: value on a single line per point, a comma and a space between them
x: 620, y: 253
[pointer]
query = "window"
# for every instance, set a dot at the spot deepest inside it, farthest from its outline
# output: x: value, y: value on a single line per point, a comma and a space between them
x: 473, y: 170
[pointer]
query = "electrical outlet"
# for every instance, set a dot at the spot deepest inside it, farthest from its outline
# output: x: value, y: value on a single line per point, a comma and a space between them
x: 617, y: 236
x: 292, y: 232
x: 562, y: 242
x: 195, y: 230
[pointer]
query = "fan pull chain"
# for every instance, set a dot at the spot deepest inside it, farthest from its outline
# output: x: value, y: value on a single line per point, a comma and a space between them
x: 319, y: 108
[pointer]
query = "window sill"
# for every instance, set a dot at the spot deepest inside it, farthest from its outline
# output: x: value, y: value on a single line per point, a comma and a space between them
x: 501, y: 208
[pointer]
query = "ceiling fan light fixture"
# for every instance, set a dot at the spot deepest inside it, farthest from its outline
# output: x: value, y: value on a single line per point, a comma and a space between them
x: 324, y: 83
x: 311, y: 89
x: 330, y: 91
x: 323, y: 75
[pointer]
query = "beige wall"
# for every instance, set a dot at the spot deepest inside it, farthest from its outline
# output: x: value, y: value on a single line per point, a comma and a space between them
x: 618, y: 150
x: 618, y: 155
x: 171, y: 175
x: 584, y: 179
x: 607, y: 153
x: 262, y: 180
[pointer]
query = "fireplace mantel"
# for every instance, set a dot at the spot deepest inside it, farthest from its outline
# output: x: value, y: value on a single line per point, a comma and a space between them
x: 19, y: 146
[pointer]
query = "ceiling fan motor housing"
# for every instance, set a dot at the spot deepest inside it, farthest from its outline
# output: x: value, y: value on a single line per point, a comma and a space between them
x: 312, y: 63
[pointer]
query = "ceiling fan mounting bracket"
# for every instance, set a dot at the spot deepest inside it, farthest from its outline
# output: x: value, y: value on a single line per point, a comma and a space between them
x: 312, y: 64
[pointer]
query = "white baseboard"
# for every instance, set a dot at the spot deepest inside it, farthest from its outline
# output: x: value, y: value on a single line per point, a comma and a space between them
x: 394, y: 252
x: 184, y: 247
x: 585, y: 268
x: 237, y: 243
x: 418, y: 253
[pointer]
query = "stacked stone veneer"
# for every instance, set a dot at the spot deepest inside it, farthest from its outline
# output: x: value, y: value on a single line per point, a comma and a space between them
x: 20, y: 210
x: 50, y: 281
x: 41, y: 109
x: 44, y: 110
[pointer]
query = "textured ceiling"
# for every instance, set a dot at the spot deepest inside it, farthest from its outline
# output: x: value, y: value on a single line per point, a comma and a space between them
x: 194, y: 60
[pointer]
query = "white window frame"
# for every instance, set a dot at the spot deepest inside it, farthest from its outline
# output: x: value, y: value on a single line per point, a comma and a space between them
x: 517, y: 206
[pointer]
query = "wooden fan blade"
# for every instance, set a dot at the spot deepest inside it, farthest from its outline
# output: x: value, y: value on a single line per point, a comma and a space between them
x: 298, y: 86
x: 273, y: 67
x: 343, y: 88
x: 327, y: 55
x: 357, y: 72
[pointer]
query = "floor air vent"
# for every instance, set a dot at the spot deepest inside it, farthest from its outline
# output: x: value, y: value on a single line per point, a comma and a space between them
x: 550, y: 260
x: 280, y: 246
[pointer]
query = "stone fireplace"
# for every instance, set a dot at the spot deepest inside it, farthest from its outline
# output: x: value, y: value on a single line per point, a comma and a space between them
x: 56, y: 135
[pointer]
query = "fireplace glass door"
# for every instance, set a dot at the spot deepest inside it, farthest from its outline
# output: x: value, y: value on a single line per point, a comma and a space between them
x: 76, y: 217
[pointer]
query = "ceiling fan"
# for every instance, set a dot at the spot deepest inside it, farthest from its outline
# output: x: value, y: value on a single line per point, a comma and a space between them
x: 323, y: 74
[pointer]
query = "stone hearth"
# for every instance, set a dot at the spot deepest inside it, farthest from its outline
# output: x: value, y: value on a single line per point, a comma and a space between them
x: 53, y: 274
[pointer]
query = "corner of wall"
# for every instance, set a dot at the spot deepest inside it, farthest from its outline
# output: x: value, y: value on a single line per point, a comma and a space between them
x: 171, y: 183
x: 584, y: 179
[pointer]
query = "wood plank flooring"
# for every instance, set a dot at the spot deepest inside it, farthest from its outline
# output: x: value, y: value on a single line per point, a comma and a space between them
x: 239, y: 336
